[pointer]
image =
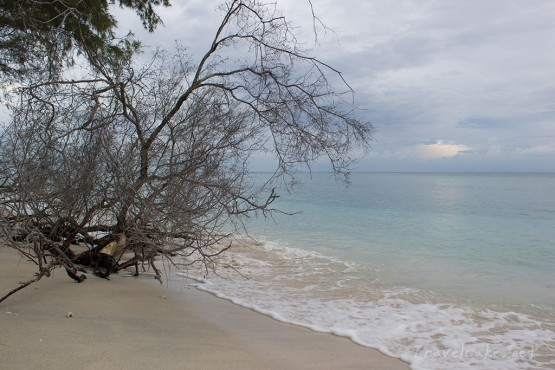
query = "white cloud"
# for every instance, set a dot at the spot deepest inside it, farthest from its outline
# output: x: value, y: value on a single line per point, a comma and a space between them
x: 439, y: 150
x: 423, y: 152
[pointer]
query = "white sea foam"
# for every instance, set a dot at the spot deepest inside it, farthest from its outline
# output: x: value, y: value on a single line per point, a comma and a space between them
x: 327, y: 294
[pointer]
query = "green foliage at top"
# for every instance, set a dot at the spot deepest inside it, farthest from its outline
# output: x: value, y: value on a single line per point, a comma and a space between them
x: 43, y: 34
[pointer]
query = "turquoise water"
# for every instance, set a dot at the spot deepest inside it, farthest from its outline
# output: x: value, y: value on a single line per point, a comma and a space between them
x: 441, y: 270
x: 485, y: 236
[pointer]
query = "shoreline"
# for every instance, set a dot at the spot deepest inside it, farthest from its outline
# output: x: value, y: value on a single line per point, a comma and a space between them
x: 136, y: 323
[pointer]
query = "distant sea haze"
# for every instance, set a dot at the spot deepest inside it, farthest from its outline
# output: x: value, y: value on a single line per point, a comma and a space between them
x: 441, y: 270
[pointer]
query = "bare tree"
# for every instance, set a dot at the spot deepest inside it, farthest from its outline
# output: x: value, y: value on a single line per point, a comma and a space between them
x: 153, y: 159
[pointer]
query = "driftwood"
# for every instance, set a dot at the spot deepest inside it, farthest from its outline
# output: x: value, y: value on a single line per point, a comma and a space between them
x: 62, y: 247
x: 23, y: 285
x: 104, y: 258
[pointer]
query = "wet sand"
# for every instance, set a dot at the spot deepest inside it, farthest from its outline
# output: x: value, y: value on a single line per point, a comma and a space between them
x: 131, y: 323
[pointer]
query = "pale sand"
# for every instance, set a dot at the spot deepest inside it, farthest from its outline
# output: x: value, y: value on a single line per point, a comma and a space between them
x: 129, y: 323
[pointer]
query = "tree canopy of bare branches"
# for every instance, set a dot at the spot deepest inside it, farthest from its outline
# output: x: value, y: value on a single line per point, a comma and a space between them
x: 138, y: 161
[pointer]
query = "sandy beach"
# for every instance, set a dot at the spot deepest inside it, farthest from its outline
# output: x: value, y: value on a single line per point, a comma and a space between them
x: 137, y: 324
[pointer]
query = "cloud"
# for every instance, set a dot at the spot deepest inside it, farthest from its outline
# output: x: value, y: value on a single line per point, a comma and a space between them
x: 424, y: 151
x: 465, y: 70
x: 439, y: 150
x: 481, y: 122
x: 538, y: 150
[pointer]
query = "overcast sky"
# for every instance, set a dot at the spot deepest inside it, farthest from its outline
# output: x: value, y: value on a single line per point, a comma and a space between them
x: 450, y: 85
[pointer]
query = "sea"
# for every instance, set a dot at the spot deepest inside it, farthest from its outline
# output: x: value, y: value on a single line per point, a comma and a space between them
x: 441, y: 270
